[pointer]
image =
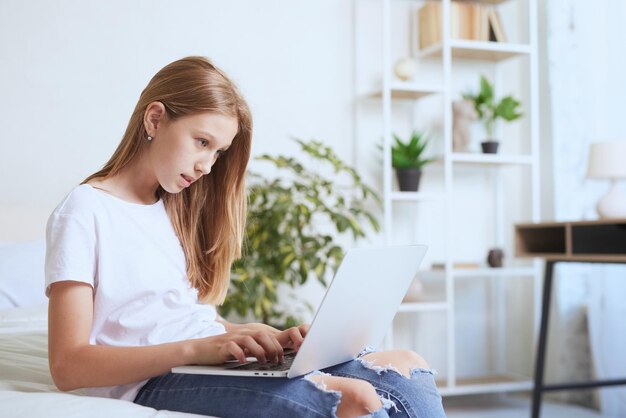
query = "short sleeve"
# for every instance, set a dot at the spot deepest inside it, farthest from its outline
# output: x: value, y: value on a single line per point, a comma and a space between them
x: 70, y: 249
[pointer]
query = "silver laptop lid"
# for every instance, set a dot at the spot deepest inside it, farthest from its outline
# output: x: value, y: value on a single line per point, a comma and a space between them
x: 358, y: 306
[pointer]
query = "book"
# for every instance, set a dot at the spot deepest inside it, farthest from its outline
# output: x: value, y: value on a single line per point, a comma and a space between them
x: 471, y: 21
x: 481, y: 22
x: 429, y: 21
x: 461, y: 16
x: 496, y: 26
x: 429, y: 25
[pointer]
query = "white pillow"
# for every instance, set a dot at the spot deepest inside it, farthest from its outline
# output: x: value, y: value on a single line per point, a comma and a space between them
x: 22, y: 274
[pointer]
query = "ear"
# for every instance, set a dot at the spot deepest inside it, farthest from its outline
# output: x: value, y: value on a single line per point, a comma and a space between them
x: 153, y: 117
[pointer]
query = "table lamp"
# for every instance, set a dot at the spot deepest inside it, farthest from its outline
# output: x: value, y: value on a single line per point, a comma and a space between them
x: 608, y: 160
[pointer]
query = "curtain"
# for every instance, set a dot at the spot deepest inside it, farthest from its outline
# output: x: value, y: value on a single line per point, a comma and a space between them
x: 587, y: 81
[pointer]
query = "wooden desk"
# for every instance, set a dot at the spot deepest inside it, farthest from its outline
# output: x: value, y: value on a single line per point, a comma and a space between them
x: 601, y: 241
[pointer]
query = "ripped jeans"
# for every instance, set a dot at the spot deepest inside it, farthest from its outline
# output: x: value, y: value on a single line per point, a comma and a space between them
x: 232, y: 396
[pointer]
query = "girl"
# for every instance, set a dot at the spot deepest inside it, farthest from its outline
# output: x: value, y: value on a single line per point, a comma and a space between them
x: 139, y: 254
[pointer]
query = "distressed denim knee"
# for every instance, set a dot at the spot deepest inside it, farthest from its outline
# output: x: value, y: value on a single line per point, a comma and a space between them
x: 415, y: 396
x: 380, y: 413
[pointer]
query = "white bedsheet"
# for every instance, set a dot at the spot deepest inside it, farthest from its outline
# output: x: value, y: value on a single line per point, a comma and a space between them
x: 26, y: 387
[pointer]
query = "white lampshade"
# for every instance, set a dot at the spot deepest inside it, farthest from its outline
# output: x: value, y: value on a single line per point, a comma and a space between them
x: 607, y: 160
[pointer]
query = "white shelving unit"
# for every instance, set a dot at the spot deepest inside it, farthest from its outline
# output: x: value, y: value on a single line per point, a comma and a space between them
x: 452, y: 52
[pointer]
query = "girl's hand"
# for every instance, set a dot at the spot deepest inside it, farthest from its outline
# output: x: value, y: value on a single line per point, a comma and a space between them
x: 262, y: 341
x: 238, y: 343
x: 292, y: 337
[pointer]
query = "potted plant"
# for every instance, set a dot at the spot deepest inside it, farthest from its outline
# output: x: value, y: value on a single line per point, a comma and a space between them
x: 288, y: 241
x: 408, y: 160
x: 490, y: 110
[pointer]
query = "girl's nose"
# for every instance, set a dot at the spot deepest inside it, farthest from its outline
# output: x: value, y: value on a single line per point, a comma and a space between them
x: 204, y: 167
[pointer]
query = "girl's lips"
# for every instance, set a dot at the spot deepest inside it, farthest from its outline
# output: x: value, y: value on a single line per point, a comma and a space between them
x: 187, y: 181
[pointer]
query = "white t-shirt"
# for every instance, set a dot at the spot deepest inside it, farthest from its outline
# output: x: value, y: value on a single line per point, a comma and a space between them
x: 130, y: 254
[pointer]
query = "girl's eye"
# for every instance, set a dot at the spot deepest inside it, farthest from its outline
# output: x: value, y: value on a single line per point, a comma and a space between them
x: 203, y: 142
x: 219, y: 153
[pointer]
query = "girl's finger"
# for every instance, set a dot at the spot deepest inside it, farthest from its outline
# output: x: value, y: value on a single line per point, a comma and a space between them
x: 236, y: 351
x: 304, y: 329
x: 272, y: 347
x: 291, y: 337
x: 296, y: 337
x: 254, y: 347
x: 279, y: 349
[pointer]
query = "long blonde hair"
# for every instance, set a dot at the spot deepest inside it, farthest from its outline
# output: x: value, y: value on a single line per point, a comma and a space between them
x: 209, y: 216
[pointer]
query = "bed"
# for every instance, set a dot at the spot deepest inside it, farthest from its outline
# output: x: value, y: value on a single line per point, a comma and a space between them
x: 26, y: 387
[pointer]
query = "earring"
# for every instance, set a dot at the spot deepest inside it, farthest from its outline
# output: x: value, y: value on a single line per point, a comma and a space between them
x: 149, y: 138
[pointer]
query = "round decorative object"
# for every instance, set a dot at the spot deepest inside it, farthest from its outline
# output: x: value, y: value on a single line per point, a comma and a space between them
x: 405, y: 69
x: 494, y: 258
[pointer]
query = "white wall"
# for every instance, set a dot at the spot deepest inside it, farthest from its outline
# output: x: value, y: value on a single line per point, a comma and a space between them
x: 72, y: 71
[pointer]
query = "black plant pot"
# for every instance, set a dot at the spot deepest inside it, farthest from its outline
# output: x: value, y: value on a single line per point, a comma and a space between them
x: 409, y: 179
x: 490, y: 147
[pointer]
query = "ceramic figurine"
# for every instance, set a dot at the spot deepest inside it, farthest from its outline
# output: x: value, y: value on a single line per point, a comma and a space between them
x: 463, y: 114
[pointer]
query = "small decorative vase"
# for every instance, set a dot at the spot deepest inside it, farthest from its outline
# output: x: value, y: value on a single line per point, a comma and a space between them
x: 409, y: 179
x: 494, y: 257
x: 490, y: 147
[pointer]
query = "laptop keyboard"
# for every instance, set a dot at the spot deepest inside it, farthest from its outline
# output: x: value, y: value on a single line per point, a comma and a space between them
x: 268, y: 366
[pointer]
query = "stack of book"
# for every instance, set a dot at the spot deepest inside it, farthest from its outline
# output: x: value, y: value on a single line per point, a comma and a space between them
x: 471, y: 21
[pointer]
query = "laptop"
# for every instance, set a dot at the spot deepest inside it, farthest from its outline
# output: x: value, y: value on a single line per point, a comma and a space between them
x: 356, y: 311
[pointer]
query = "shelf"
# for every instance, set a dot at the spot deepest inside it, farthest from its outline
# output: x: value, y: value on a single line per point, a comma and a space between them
x: 423, y: 306
x: 479, y: 272
x: 475, y: 158
x: 492, y: 2
x: 488, y: 384
x: 477, y: 50
x: 441, y: 71
x: 409, y: 91
x: 591, y: 241
x: 416, y: 196
x: 494, y: 272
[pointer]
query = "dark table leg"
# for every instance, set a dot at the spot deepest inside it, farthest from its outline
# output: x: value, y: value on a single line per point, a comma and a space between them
x: 543, y: 339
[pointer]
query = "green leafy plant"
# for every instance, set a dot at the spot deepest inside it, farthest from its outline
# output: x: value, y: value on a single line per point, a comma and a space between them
x: 287, y: 233
x: 489, y: 109
x: 410, y: 154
